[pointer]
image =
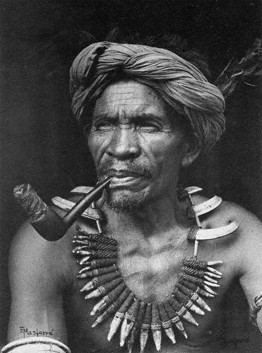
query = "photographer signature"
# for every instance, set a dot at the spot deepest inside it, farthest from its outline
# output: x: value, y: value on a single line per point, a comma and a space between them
x: 25, y: 332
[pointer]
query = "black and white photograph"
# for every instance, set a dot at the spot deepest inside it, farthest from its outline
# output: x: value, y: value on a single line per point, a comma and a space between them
x: 130, y: 176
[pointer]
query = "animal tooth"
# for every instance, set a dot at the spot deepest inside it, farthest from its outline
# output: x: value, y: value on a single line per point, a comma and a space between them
x: 129, y: 321
x: 202, y: 303
x: 119, y: 316
x: 88, y: 286
x: 100, y: 280
x: 209, y: 290
x: 170, y: 334
x: 214, y: 263
x: 85, y: 272
x: 156, y: 327
x: 84, y: 269
x: 211, y: 274
x: 157, y: 337
x: 137, y: 323
x: 214, y: 271
x: 207, y: 206
x: 120, y: 293
x: 84, y: 252
x: 143, y: 337
x: 127, y: 325
x: 144, y: 332
x: 77, y: 249
x: 196, y: 310
x: 114, y: 326
x: 211, y: 284
x: 95, y: 294
x: 193, y: 189
x: 99, y: 306
x: 179, y: 325
x: 182, y: 311
x: 205, y: 293
x: 171, y: 316
x: 166, y: 322
x: 111, y: 308
x: 131, y: 339
x: 190, y: 318
x: 105, y: 288
x: 214, y: 233
x: 84, y: 260
x: 210, y: 279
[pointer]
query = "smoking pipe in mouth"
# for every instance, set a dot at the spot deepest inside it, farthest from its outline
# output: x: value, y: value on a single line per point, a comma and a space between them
x: 44, y: 219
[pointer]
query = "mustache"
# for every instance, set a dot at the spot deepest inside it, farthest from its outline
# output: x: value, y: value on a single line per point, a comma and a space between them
x: 131, y: 169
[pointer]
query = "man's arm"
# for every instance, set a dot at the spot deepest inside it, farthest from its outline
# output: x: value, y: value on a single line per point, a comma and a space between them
x: 36, y: 288
x: 250, y: 260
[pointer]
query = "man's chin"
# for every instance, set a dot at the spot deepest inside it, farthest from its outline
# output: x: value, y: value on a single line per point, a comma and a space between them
x: 121, y: 201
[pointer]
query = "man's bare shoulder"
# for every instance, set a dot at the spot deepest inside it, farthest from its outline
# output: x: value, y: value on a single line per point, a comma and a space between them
x: 227, y: 212
x: 247, y: 238
x: 32, y: 255
x: 242, y: 249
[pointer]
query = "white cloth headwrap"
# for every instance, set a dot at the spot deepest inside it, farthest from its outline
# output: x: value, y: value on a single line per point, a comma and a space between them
x: 177, y: 81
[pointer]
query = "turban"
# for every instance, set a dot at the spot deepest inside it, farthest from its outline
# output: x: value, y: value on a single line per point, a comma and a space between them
x: 177, y: 81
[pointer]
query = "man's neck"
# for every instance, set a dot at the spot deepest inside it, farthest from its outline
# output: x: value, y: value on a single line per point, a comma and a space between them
x: 153, y: 221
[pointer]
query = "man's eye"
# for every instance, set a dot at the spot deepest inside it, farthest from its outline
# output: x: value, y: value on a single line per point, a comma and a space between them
x: 148, y: 127
x: 103, y: 126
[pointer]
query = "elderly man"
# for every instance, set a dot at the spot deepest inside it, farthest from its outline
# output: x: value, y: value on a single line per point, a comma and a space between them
x: 151, y: 272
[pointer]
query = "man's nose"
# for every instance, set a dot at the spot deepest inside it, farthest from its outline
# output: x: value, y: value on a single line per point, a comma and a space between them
x: 124, y: 143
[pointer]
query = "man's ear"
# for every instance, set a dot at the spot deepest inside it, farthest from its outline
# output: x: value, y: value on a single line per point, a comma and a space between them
x: 193, y: 150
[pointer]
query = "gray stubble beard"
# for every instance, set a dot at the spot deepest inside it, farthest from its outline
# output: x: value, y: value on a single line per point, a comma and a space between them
x: 126, y: 204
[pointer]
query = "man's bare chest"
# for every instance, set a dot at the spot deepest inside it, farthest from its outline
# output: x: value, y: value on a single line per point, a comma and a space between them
x: 152, y: 279
x: 81, y: 335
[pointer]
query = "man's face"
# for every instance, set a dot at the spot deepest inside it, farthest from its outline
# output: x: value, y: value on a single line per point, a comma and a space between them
x: 133, y: 140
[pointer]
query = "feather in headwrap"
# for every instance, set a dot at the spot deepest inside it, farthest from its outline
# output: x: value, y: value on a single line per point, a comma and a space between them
x: 177, y: 81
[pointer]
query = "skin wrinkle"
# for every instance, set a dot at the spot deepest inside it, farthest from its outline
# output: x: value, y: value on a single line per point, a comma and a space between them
x: 177, y: 81
x: 114, y: 108
x: 146, y: 206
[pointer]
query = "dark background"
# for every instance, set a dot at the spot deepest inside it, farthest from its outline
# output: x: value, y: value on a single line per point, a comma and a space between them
x: 41, y: 144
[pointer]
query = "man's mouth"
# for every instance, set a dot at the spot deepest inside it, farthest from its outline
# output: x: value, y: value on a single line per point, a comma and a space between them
x: 120, y: 174
x: 124, y: 177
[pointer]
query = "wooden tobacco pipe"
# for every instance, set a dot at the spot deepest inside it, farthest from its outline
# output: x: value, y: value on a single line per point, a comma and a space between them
x: 44, y: 219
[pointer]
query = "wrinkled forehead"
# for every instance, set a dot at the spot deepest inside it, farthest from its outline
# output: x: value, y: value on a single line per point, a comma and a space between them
x: 129, y: 98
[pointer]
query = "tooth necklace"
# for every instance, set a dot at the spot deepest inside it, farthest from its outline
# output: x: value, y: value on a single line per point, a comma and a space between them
x: 97, y: 255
